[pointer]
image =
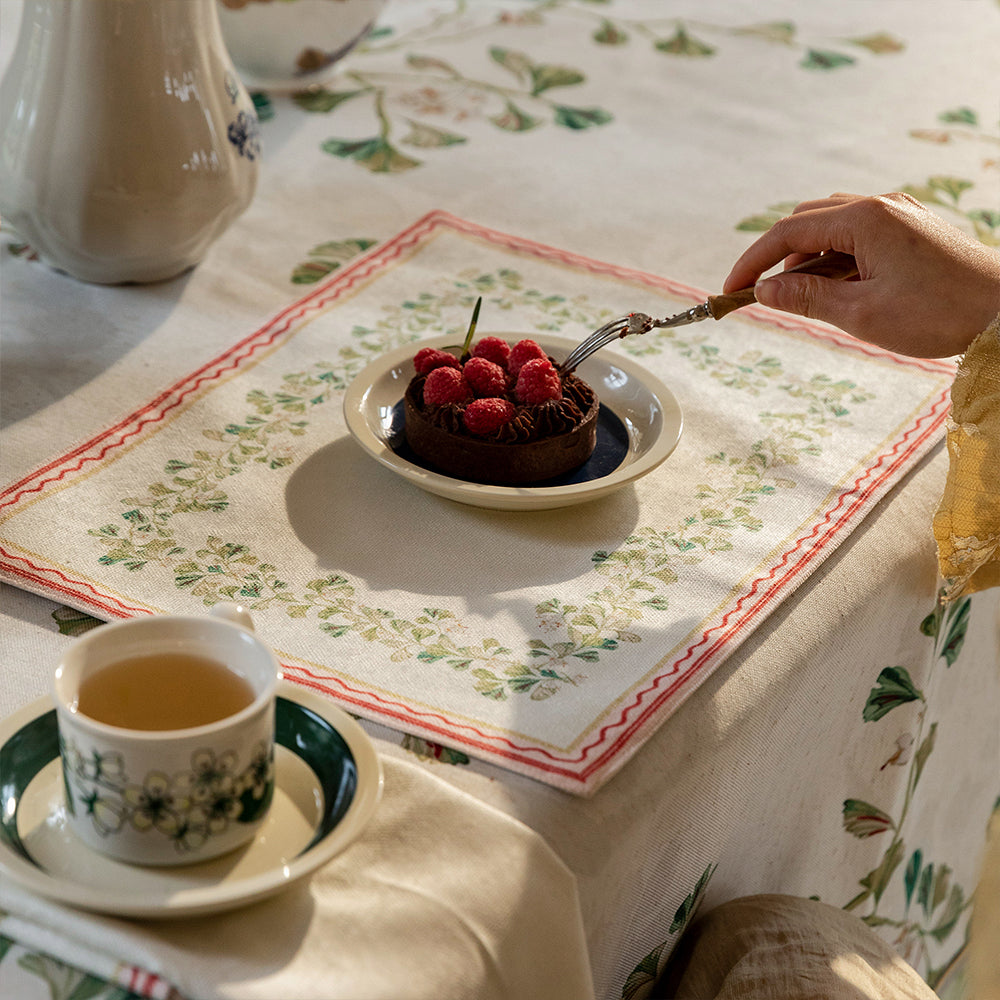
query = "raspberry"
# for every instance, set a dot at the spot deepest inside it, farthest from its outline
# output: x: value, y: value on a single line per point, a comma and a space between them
x: 429, y: 358
x: 445, y: 385
x: 493, y: 349
x: 485, y: 416
x: 484, y: 377
x: 522, y: 351
x: 538, y: 382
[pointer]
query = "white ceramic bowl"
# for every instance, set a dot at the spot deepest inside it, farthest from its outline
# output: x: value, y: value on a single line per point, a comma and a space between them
x: 648, y: 412
x: 293, y: 44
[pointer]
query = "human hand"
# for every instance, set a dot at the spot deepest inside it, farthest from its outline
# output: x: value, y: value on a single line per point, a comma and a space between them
x: 924, y: 288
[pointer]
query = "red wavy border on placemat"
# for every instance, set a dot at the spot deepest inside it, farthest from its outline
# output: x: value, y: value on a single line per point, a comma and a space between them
x: 97, y: 448
x: 672, y: 683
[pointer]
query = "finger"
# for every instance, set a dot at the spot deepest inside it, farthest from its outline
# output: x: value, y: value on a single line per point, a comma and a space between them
x: 832, y: 201
x: 804, y: 235
x: 794, y: 259
x: 858, y: 308
x: 782, y: 241
x: 809, y: 295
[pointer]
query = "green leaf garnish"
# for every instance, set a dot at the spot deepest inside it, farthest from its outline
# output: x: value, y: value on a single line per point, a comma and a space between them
x: 472, y: 326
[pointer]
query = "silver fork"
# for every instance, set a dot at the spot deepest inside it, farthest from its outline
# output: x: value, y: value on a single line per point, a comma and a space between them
x: 831, y: 264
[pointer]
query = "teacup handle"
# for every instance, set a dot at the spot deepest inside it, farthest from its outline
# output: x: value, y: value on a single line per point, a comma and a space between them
x: 233, y: 613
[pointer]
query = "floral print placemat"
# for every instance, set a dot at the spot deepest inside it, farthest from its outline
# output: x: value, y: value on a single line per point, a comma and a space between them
x: 550, y: 642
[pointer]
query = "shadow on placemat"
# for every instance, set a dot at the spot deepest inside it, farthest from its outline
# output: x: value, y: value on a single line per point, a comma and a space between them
x: 349, y: 511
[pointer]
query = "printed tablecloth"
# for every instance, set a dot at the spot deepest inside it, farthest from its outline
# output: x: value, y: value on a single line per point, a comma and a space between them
x: 848, y: 749
x: 550, y: 643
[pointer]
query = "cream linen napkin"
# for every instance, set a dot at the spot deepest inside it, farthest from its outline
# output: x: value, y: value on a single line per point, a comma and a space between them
x: 438, y: 885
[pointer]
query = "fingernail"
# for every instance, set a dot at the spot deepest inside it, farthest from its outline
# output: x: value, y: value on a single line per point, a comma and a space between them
x: 764, y: 289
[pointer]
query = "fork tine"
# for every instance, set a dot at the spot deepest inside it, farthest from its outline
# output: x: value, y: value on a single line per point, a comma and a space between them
x: 604, y: 335
x: 596, y: 340
x: 588, y: 347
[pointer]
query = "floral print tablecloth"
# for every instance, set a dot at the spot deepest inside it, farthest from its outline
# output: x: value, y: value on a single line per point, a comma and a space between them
x: 556, y: 152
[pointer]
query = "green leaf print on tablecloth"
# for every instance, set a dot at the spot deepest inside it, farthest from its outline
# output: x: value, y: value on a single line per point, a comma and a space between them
x: 425, y: 86
x: 963, y: 125
x: 682, y: 44
x: 894, y: 688
x: 940, y: 191
x: 933, y: 902
x: 644, y: 976
x: 325, y: 258
x: 73, y: 623
x: 632, y: 581
x: 444, y: 90
x: 428, y: 751
x: 62, y: 981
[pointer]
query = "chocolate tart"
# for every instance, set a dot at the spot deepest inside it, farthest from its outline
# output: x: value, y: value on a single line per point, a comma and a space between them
x: 542, y: 441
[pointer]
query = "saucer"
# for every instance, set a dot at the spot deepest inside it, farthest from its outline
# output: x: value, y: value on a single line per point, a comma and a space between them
x: 328, y: 781
x: 639, y: 426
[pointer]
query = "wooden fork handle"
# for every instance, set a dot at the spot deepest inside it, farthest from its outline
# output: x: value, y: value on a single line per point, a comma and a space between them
x: 832, y: 264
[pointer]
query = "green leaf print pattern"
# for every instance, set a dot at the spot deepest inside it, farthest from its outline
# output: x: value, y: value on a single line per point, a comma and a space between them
x: 945, y: 193
x: 73, y: 623
x: 446, y: 91
x: 327, y: 257
x: 644, y: 976
x: 934, y: 903
x: 894, y: 688
x: 434, y: 752
x: 962, y: 124
x: 635, y: 578
x: 405, y: 99
x: 66, y: 983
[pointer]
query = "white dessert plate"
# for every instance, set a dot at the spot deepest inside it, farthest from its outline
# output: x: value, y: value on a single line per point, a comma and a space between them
x: 639, y: 426
x: 328, y: 784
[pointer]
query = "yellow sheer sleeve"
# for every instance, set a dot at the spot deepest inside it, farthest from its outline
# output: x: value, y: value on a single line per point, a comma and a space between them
x: 967, y: 523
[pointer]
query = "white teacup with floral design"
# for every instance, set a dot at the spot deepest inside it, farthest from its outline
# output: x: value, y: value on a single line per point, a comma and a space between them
x: 150, y: 795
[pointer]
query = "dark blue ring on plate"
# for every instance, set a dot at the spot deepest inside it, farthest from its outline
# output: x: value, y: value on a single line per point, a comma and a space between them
x: 612, y: 447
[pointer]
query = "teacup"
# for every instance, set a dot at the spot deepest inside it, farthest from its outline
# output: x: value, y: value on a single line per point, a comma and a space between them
x: 166, y: 733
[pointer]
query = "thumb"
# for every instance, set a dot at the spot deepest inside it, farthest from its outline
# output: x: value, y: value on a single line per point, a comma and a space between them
x: 804, y: 294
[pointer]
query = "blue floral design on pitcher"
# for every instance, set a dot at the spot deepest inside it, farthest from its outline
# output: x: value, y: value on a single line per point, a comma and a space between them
x: 244, y: 134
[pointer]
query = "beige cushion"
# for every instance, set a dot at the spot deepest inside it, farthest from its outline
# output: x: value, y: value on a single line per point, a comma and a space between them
x: 773, y: 947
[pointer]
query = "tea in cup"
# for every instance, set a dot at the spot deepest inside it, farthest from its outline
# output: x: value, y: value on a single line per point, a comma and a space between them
x: 166, y: 733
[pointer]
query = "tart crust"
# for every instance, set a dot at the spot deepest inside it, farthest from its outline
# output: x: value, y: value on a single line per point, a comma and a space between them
x: 451, y: 449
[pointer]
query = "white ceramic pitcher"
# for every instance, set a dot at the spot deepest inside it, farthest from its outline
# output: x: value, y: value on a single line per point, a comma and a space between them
x: 127, y: 142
